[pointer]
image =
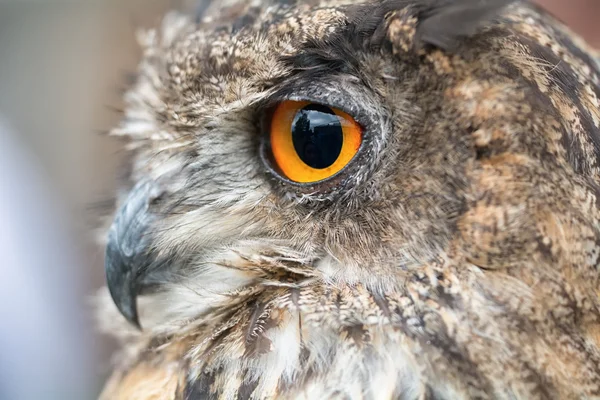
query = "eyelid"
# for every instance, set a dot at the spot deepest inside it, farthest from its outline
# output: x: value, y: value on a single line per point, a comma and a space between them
x: 366, y: 109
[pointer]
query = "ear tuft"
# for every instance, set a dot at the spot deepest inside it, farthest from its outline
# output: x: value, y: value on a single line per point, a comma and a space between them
x: 446, y: 22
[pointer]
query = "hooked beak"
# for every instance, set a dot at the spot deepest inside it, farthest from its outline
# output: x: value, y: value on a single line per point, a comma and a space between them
x: 127, y: 256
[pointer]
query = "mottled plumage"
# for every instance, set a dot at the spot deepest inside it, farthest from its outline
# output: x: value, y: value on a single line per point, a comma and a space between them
x: 457, y: 255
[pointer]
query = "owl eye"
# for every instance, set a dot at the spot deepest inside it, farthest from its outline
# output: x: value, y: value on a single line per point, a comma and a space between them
x: 311, y: 142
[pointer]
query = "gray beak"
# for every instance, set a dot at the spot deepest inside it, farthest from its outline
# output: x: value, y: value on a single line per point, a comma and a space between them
x: 128, y: 255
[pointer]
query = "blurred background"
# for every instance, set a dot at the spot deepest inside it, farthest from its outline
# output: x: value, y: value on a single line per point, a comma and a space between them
x: 63, y: 66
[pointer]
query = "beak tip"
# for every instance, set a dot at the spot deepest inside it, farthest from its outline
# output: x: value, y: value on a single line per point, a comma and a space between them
x: 128, y: 309
x: 124, y: 295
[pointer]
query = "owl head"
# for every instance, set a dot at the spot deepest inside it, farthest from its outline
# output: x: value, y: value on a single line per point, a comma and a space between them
x: 444, y: 152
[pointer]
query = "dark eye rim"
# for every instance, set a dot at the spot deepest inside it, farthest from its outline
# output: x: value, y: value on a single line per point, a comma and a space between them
x: 332, y: 183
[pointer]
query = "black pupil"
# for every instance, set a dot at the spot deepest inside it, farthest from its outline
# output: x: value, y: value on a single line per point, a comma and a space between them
x: 317, y: 135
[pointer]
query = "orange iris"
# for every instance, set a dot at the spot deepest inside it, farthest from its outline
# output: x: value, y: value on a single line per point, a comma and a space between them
x: 311, y: 142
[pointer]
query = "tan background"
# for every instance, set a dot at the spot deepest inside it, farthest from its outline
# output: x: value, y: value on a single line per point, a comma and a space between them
x: 62, y: 67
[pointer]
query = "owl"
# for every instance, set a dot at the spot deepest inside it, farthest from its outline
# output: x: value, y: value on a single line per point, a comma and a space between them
x: 332, y: 199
